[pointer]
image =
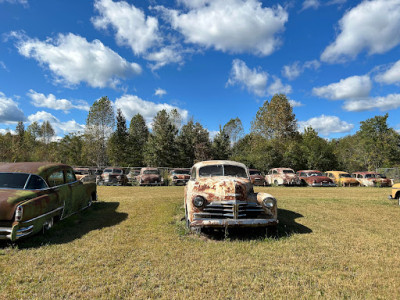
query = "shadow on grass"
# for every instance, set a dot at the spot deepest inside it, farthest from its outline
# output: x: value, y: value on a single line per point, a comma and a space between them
x: 98, y: 216
x: 286, y: 228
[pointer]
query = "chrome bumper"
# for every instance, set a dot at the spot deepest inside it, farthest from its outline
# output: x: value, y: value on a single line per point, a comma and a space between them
x: 233, y: 222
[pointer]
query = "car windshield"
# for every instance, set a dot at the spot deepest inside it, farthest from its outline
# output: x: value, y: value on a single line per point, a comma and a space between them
x: 255, y: 172
x: 370, y: 176
x: 288, y: 171
x: 181, y: 172
x: 148, y: 172
x: 222, y: 170
x: 13, y: 180
x: 344, y: 175
x: 380, y: 176
x: 315, y: 174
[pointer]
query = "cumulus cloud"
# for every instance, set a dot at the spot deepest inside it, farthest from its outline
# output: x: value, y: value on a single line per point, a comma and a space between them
x: 372, y: 26
x: 131, y: 105
x: 277, y: 87
x: 255, y: 81
x: 326, y: 125
x: 132, y: 28
x: 171, y: 54
x: 72, y: 60
x: 23, y: 2
x: 295, y: 103
x: 59, y: 127
x: 236, y: 26
x: 310, y: 4
x: 390, y: 76
x: 9, y: 110
x: 50, y: 101
x: 350, y: 88
x: 389, y: 102
x: 296, y: 69
x: 5, y: 131
x: 160, y: 92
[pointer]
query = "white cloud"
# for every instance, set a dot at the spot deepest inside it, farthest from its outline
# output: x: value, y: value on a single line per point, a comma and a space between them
x: 23, y: 2
x: 296, y: 69
x: 212, y: 134
x: 390, y: 76
x: 166, y: 55
x: 310, y: 4
x: 132, y: 27
x: 236, y: 26
x: 160, y: 92
x: 131, y: 105
x: 59, y: 127
x: 372, y: 26
x: 9, y: 110
x: 3, y: 65
x: 255, y: 81
x: 50, y: 101
x: 5, y: 131
x: 326, y: 125
x: 389, y: 102
x: 72, y: 59
x: 350, y: 88
x: 277, y: 87
x: 295, y: 103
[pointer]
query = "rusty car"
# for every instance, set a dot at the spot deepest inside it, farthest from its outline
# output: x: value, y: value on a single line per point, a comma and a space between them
x: 33, y: 195
x: 133, y: 176
x: 85, y: 174
x: 256, y: 177
x: 395, y: 193
x: 282, y: 176
x: 150, y: 177
x: 371, y: 179
x: 342, y: 178
x: 220, y: 194
x: 179, y: 176
x: 315, y: 178
x: 112, y: 176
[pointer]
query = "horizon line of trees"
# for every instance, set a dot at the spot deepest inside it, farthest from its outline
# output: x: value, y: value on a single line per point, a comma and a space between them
x: 273, y: 141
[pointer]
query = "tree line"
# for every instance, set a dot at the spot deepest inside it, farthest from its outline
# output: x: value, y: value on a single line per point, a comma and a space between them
x: 273, y: 141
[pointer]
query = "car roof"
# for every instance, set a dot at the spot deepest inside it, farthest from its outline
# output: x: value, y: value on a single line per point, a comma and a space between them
x: 42, y: 169
x: 218, y: 162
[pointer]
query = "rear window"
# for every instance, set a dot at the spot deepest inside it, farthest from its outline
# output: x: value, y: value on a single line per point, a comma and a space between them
x: 13, y: 180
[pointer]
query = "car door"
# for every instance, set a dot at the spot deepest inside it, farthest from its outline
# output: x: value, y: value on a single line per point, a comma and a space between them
x: 78, y: 199
x: 60, y: 190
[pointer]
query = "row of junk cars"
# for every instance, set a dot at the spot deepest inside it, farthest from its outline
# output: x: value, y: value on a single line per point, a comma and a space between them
x: 218, y: 194
x: 277, y: 176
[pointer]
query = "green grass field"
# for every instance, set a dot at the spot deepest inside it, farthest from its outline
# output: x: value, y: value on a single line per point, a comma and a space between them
x: 332, y: 243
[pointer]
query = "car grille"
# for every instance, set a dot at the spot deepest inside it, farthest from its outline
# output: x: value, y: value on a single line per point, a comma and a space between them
x: 231, y: 210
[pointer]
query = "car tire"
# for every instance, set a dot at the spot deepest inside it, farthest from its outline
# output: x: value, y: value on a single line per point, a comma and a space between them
x: 48, y: 224
x: 276, y: 183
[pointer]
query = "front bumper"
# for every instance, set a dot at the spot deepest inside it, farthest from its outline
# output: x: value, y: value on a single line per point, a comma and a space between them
x: 234, y: 222
x: 180, y: 181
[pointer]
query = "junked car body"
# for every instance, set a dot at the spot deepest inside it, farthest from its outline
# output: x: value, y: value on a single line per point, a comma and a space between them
x: 395, y: 194
x: 150, y: 176
x: 256, y: 178
x: 35, y: 194
x: 112, y: 176
x: 315, y: 178
x: 342, y: 178
x: 282, y: 176
x: 219, y: 194
x: 133, y: 176
x: 371, y: 179
x: 179, y: 176
x: 85, y: 174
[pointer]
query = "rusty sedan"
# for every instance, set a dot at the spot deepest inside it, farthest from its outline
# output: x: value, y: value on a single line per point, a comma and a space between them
x: 150, y: 176
x: 179, y: 176
x: 315, y: 178
x: 219, y: 194
x: 256, y: 177
x: 33, y: 195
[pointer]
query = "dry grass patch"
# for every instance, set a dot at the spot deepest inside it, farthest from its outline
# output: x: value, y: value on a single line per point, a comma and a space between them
x: 332, y: 243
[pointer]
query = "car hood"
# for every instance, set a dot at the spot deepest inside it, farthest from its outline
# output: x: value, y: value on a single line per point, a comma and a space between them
x: 222, y: 188
x: 181, y: 176
x: 9, y: 200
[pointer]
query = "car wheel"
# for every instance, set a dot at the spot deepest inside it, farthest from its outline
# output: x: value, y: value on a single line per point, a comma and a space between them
x: 276, y: 182
x: 48, y: 224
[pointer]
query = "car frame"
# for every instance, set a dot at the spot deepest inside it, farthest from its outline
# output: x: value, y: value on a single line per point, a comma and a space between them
x: 342, y: 178
x: 222, y: 200
x: 282, y: 176
x: 33, y: 195
x: 315, y: 178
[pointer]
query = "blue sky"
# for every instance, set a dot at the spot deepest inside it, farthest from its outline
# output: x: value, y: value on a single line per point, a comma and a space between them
x: 337, y: 61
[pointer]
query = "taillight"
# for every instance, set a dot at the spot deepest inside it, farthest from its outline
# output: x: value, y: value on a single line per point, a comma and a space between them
x: 18, y: 213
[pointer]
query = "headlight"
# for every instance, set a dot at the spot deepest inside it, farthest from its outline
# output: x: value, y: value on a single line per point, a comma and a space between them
x: 198, y: 201
x: 269, y: 202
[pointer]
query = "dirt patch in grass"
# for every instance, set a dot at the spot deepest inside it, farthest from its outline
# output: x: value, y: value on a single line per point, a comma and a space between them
x: 332, y: 243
